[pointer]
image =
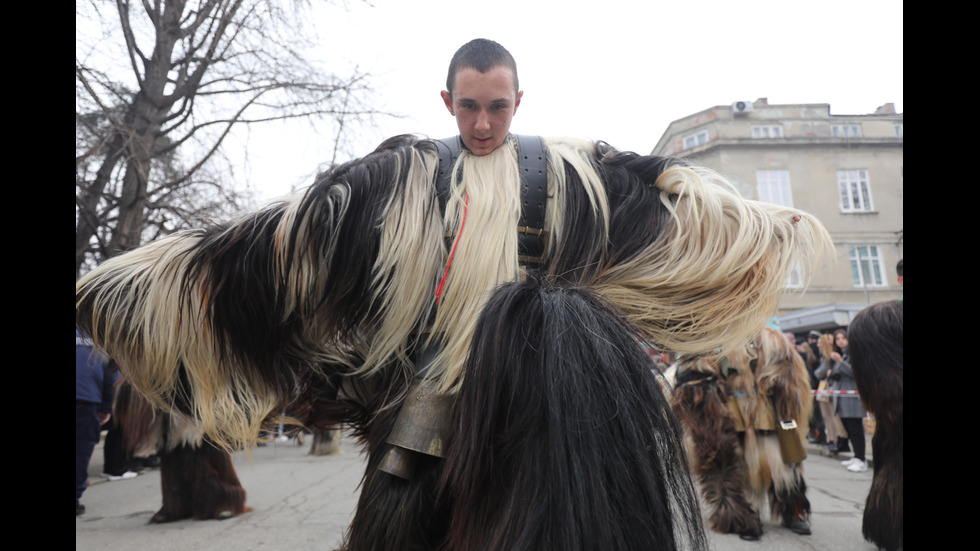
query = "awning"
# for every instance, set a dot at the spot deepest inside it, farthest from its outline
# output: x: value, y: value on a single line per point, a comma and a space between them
x: 821, y: 318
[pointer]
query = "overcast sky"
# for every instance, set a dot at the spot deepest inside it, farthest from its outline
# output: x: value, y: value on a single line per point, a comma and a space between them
x: 616, y: 70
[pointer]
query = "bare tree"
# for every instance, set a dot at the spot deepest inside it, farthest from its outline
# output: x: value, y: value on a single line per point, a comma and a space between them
x: 149, y: 131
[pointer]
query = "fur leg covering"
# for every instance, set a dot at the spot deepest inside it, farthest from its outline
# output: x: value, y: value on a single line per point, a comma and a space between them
x: 788, y: 502
x: 563, y: 438
x: 199, y: 482
x: 197, y: 479
x: 699, y: 399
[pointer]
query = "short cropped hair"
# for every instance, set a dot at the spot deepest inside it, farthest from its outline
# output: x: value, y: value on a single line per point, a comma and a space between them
x: 481, y: 54
x: 898, y: 268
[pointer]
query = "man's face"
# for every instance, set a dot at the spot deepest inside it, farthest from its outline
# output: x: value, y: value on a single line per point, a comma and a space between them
x: 483, y: 104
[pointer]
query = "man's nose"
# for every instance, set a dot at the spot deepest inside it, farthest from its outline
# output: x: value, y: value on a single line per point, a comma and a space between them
x: 483, y: 121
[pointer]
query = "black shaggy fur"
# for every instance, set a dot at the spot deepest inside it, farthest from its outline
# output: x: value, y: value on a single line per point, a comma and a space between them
x: 790, y: 504
x: 876, y: 339
x: 587, y: 248
x: 340, y: 249
x: 562, y: 436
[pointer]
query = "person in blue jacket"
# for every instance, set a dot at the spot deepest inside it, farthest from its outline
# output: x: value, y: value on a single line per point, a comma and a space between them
x: 95, y: 376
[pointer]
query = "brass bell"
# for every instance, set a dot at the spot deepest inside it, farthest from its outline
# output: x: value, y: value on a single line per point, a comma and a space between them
x: 421, y: 427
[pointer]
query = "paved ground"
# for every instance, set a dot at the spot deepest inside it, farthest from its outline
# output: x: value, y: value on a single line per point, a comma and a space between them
x: 299, y: 502
x: 304, y: 503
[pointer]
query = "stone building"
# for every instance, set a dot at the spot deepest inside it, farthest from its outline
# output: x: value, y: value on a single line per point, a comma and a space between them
x: 844, y: 169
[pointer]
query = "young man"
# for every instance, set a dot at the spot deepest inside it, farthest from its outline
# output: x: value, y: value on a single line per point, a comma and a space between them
x: 483, y: 94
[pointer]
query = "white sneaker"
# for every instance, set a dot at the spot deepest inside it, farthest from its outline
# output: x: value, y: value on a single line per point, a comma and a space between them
x: 858, y: 466
x: 124, y: 476
x: 849, y: 462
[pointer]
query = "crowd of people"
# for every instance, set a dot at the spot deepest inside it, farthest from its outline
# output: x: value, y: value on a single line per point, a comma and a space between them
x: 839, y: 418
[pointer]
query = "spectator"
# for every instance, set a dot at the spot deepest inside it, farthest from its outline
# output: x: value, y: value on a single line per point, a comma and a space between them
x: 94, y: 379
x: 811, y: 357
x: 836, y: 437
x: 848, y: 406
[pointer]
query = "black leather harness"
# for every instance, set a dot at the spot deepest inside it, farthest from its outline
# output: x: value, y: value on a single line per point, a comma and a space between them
x: 533, y: 167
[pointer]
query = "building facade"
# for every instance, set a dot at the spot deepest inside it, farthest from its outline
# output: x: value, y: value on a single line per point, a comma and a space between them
x: 846, y: 170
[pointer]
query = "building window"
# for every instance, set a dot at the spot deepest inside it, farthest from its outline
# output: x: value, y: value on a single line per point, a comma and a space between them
x: 855, y: 191
x: 846, y: 130
x: 899, y: 131
x: 866, y: 267
x: 773, y: 187
x: 695, y: 140
x: 764, y: 131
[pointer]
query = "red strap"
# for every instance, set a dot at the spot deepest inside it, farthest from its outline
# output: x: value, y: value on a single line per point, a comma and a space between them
x: 452, y: 253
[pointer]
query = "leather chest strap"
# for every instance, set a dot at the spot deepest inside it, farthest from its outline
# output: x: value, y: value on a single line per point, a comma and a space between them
x: 533, y: 166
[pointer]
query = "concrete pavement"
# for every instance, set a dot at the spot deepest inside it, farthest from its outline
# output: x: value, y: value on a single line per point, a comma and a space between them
x: 299, y: 502
x: 304, y: 503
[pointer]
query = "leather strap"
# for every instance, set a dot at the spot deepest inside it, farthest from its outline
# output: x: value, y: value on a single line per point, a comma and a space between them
x: 533, y: 163
x: 449, y: 150
x: 533, y: 167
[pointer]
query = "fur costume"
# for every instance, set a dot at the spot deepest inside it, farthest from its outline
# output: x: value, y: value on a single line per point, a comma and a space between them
x: 730, y: 411
x: 876, y: 338
x: 338, y: 291
x: 198, y: 480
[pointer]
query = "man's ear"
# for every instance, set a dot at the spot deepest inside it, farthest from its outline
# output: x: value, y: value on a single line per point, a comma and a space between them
x: 448, y: 100
x: 517, y: 102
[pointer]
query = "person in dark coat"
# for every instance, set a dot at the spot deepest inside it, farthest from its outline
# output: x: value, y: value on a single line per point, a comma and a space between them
x: 94, y: 379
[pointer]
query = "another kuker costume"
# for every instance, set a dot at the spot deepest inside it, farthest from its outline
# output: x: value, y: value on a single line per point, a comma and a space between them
x: 745, y: 417
x: 478, y: 330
